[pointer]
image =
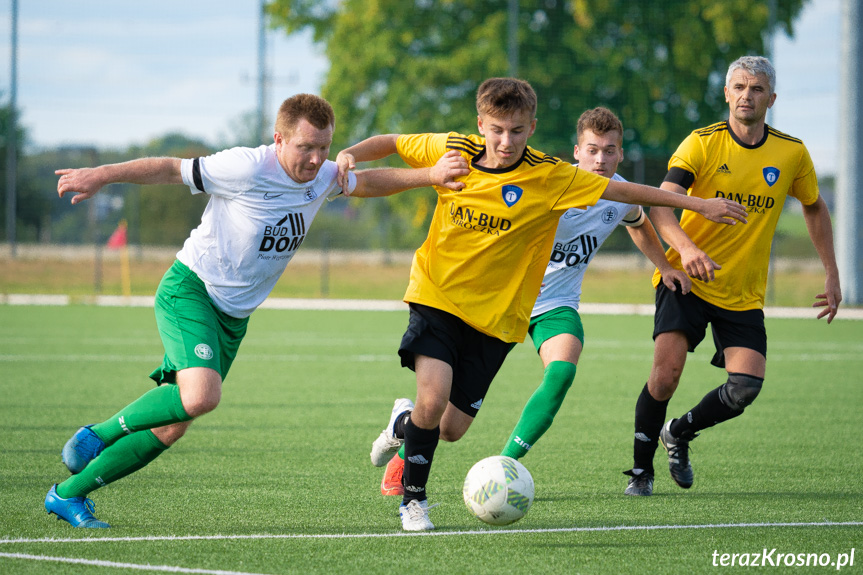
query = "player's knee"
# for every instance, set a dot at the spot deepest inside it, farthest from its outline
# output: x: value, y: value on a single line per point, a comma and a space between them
x: 663, y: 385
x: 200, y: 390
x: 200, y: 404
x: 740, y: 390
x: 559, y: 376
x: 450, y: 435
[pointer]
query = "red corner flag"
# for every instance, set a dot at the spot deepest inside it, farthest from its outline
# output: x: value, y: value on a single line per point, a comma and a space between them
x: 118, y: 238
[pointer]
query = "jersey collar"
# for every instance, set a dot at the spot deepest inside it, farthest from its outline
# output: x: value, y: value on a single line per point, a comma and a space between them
x: 481, y: 153
x: 744, y: 145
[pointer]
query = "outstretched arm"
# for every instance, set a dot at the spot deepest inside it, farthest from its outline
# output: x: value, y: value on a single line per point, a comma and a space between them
x: 820, y: 228
x: 379, y: 182
x: 715, y: 209
x: 695, y: 262
x: 85, y: 182
x: 370, y: 149
x: 645, y: 239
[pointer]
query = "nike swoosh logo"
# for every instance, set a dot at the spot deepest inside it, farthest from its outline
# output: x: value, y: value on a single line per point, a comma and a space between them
x: 269, y: 196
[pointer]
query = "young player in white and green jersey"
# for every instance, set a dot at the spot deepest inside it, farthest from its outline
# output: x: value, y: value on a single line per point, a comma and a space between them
x: 555, y: 325
x: 262, y: 202
x: 476, y: 277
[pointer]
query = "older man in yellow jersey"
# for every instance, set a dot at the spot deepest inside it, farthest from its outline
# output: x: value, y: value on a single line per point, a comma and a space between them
x: 745, y: 159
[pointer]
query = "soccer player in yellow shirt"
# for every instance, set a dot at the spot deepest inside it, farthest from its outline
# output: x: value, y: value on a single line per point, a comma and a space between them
x: 474, y: 281
x: 747, y: 160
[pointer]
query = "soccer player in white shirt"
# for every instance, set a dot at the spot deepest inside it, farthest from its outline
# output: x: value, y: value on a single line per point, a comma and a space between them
x: 262, y: 202
x: 555, y: 326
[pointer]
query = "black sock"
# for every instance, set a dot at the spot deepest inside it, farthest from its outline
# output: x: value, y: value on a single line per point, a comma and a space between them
x: 649, y: 418
x: 420, y: 445
x: 399, y: 424
x: 709, y: 411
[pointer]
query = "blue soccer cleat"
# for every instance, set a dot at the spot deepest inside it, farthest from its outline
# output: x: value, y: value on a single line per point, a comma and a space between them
x: 78, y: 511
x: 83, y: 448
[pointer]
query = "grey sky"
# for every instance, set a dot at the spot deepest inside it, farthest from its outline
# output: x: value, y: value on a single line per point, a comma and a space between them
x: 115, y: 73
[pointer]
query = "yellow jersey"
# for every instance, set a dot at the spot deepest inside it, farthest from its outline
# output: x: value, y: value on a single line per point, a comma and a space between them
x: 712, y: 162
x: 488, y: 244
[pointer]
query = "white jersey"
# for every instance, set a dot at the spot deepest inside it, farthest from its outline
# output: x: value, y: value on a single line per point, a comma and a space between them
x: 578, y: 237
x: 255, y: 220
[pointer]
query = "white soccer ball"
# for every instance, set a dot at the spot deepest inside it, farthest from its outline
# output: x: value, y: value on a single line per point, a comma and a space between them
x: 498, y: 490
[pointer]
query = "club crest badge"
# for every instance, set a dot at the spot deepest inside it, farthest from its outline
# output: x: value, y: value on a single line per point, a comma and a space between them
x: 771, y: 175
x: 204, y: 351
x: 609, y: 214
x: 511, y: 194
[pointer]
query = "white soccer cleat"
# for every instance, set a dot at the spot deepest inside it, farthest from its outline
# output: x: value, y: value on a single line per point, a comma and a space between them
x: 415, y: 516
x: 387, y: 443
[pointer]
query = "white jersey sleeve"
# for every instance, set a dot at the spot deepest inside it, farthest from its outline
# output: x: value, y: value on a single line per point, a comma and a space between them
x: 634, y: 217
x: 228, y: 173
x: 580, y: 233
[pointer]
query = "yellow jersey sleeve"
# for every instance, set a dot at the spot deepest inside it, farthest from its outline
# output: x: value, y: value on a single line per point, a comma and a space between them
x: 579, y: 188
x: 421, y: 150
x: 805, y: 186
x: 689, y: 156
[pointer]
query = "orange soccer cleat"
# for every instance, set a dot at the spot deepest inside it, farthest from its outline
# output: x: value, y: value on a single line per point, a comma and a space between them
x: 391, y: 484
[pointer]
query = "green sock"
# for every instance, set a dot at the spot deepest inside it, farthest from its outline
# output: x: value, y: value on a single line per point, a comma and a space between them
x: 127, y: 455
x: 539, y: 412
x: 158, y: 407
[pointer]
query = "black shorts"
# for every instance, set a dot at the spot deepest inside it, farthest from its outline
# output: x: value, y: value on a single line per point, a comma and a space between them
x: 691, y: 314
x: 475, y: 357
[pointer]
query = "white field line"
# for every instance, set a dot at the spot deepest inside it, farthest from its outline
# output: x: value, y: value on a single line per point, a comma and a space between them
x: 382, y: 358
x: 391, y: 305
x: 433, y: 533
x: 136, y: 566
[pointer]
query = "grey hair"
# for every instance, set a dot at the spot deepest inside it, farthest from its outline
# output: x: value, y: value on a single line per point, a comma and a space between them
x: 754, y: 65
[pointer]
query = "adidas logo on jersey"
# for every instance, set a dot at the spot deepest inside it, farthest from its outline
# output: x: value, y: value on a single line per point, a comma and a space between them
x: 723, y: 169
x: 418, y: 459
x: 476, y: 404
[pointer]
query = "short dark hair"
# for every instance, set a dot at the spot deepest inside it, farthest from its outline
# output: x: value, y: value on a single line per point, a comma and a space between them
x: 503, y: 97
x: 600, y: 121
x: 314, y: 109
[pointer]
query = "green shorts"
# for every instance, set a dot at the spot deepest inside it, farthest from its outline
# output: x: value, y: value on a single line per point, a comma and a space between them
x: 193, y: 331
x: 555, y: 322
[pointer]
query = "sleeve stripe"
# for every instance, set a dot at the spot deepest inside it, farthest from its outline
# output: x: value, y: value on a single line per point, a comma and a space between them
x: 784, y: 136
x: 462, y: 143
x: 466, y: 149
x: 196, y: 174
x: 637, y: 221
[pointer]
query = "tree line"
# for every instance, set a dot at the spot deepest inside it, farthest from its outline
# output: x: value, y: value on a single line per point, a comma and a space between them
x: 409, y: 67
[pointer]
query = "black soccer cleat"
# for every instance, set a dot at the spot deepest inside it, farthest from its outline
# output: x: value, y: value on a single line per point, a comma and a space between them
x: 678, y: 455
x: 639, y: 484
